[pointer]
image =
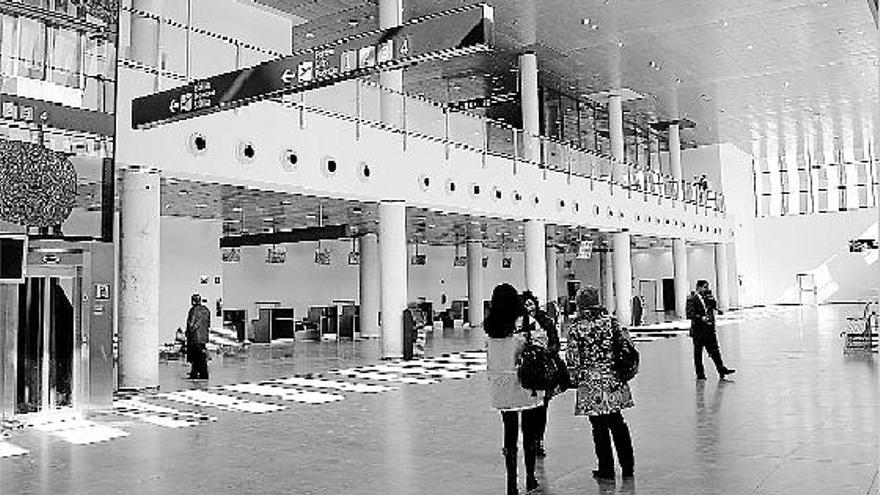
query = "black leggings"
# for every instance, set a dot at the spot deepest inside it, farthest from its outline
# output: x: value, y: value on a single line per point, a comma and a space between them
x: 605, y: 428
x: 530, y: 422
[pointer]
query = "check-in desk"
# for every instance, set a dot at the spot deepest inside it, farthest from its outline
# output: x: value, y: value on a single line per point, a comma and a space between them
x: 326, y: 319
x: 274, y: 322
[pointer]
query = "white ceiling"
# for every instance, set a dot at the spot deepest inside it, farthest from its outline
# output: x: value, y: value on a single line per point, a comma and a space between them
x: 751, y: 72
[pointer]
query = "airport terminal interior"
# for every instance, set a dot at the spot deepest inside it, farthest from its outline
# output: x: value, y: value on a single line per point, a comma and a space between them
x: 249, y: 246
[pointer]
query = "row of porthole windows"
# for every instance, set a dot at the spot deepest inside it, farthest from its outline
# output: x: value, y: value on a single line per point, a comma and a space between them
x: 246, y: 153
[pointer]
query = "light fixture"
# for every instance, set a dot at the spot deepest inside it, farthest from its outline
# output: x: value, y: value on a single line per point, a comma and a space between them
x: 586, y: 21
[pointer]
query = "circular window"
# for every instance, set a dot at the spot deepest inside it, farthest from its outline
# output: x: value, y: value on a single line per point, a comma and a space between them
x: 667, y: 221
x: 595, y: 209
x: 364, y: 171
x: 475, y: 189
x: 496, y: 193
x: 289, y: 160
x: 331, y: 166
x: 197, y: 143
x: 246, y: 152
x: 424, y: 182
x: 450, y: 186
x: 638, y: 218
x: 517, y: 197
x: 648, y: 219
x: 561, y: 204
x: 610, y: 213
x: 536, y: 200
x: 621, y: 215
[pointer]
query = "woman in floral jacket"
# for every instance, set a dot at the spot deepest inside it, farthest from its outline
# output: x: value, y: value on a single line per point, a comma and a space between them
x: 601, y: 395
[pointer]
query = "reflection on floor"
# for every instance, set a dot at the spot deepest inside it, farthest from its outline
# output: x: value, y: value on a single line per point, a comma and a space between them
x: 800, y: 418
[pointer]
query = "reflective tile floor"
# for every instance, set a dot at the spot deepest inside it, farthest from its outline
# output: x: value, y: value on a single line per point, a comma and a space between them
x: 800, y: 417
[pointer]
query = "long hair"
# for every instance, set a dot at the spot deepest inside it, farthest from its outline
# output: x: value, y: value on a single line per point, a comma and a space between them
x: 505, y: 308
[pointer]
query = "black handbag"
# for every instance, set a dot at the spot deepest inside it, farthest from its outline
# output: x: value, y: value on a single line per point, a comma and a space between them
x: 536, y: 368
x: 625, y: 357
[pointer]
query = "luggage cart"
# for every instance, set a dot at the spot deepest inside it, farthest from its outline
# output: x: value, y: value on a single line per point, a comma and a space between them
x: 861, y: 334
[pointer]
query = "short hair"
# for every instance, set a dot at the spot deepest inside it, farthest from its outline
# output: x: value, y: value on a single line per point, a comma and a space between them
x: 587, y: 298
x: 196, y: 299
x: 702, y: 283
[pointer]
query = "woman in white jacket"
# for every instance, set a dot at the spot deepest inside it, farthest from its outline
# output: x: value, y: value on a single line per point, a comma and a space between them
x: 505, y: 344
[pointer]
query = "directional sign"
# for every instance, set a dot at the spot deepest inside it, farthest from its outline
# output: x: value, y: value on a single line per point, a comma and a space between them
x: 447, y: 34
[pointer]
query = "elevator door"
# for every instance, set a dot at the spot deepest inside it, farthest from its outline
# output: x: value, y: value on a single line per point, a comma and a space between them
x: 48, y: 325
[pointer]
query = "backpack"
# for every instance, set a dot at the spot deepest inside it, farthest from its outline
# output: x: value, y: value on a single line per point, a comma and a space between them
x: 536, y: 368
x: 625, y: 357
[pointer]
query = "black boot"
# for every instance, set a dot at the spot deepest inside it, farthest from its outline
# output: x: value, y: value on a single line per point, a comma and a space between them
x: 510, y: 464
x: 530, y: 455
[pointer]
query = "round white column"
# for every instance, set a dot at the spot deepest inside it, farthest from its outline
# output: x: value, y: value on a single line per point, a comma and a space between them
x: 623, y: 278
x: 680, y: 274
x: 369, y: 286
x: 139, y: 243
x: 722, y: 292
x: 536, y: 266
x: 145, y: 32
x: 391, y: 101
x: 552, y: 274
x: 615, y: 129
x: 529, y: 104
x: 607, y: 275
x: 475, y: 282
x: 675, y: 158
x: 392, y: 275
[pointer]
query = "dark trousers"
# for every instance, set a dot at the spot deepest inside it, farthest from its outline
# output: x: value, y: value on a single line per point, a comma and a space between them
x: 199, y: 360
x: 540, y: 416
x: 708, y: 341
x: 606, y: 427
x: 530, y: 421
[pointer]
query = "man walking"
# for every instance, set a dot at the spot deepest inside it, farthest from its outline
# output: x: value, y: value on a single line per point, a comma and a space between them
x: 700, y: 310
x: 198, y: 321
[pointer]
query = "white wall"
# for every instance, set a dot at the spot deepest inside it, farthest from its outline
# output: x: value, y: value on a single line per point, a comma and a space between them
x: 818, y: 244
x: 189, y: 251
x: 656, y: 263
x: 300, y: 283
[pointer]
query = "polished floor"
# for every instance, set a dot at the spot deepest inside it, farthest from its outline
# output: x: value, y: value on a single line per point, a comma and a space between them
x: 800, y: 417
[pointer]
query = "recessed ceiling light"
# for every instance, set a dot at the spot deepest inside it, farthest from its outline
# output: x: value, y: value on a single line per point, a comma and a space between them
x: 620, y: 44
x: 586, y: 21
x: 724, y: 23
x: 749, y: 47
x: 352, y: 22
x: 310, y: 35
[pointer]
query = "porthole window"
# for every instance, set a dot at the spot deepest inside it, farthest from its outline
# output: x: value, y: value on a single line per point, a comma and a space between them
x: 561, y: 204
x: 330, y: 166
x: 246, y: 152
x: 364, y: 171
x: 475, y: 189
x: 450, y: 186
x: 197, y: 143
x: 595, y: 209
x: 638, y: 218
x: 667, y: 221
x: 648, y: 219
x: 289, y: 160
x: 577, y: 207
x: 496, y: 193
x: 424, y: 182
x: 621, y: 215
x: 536, y: 200
x: 610, y: 213
x: 517, y: 197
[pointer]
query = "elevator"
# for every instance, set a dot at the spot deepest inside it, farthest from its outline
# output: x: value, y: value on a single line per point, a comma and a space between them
x: 56, y: 327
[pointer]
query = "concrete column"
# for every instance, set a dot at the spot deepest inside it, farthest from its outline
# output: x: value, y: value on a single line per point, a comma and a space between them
x: 392, y: 275
x: 139, y: 279
x: 475, y: 282
x: 529, y: 103
x: 615, y: 127
x: 607, y: 275
x: 391, y: 106
x: 145, y: 32
x: 680, y: 274
x: 536, y: 264
x: 370, y: 288
x: 722, y: 292
x: 623, y: 277
x: 552, y: 274
x: 675, y: 158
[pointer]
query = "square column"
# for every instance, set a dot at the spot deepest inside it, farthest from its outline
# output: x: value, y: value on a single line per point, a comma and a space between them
x: 722, y: 292
x: 675, y: 158
x: 139, y: 242
x: 391, y: 99
x: 552, y: 275
x: 369, y: 286
x: 623, y: 277
x: 535, y: 259
x: 607, y: 276
x: 615, y: 127
x: 392, y: 275
x: 680, y: 274
x: 475, y: 282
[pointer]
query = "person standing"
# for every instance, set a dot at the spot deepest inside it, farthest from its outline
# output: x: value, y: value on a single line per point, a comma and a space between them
x: 700, y: 309
x: 543, y: 330
x: 506, y: 341
x: 198, y: 322
x: 601, y: 395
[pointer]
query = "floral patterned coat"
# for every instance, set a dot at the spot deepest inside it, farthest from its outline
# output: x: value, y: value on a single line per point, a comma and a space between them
x: 589, y: 359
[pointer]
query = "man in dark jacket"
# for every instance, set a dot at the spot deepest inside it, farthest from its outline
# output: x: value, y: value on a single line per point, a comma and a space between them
x: 700, y: 310
x: 198, y: 321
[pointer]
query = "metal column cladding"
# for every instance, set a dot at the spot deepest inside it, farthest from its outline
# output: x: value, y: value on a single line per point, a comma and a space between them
x: 438, y: 36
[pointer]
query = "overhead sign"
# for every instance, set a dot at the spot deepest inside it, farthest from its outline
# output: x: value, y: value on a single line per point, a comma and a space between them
x: 484, y: 101
x: 38, y: 112
x: 585, y: 249
x: 438, y: 36
x: 862, y: 245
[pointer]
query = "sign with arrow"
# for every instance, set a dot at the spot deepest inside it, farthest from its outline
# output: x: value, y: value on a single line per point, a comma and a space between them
x: 456, y: 32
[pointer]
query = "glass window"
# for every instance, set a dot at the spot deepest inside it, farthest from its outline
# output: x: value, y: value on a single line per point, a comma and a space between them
x: 8, y: 45
x: 43, y: 4
x: 65, y: 57
x: 32, y: 49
